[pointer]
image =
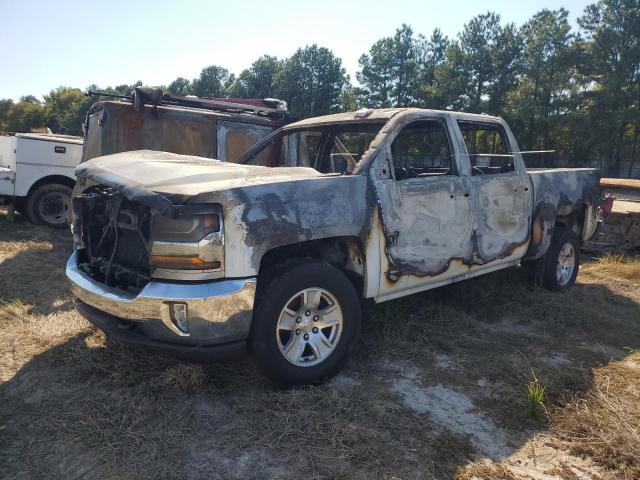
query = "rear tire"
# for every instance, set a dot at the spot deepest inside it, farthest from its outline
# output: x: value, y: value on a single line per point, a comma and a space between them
x: 557, y: 269
x: 306, y: 321
x: 50, y: 205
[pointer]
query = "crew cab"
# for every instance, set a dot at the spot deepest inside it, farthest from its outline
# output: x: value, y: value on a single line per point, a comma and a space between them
x: 275, y: 253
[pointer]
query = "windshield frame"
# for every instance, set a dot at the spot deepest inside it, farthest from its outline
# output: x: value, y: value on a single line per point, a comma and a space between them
x: 288, y: 129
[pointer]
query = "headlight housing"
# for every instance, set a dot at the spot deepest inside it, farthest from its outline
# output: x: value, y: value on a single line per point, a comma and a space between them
x: 188, y: 243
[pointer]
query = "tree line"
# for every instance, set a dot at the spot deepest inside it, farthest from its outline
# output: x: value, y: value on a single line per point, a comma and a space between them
x: 573, y: 91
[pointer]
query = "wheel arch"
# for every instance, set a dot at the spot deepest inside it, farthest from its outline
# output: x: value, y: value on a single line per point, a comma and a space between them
x: 346, y: 253
x: 547, y: 218
x: 51, y: 179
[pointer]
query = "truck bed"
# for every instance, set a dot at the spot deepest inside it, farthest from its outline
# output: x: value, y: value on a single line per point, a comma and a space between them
x: 562, y: 193
x: 565, y: 188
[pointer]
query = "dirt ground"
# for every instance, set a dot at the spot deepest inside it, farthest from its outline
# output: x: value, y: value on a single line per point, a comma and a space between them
x: 437, y: 387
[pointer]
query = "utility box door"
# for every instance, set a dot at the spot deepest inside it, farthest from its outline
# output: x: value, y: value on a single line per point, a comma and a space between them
x: 8, y: 152
x: 7, y: 165
x: 236, y: 138
x: 40, y: 156
x: 7, y: 182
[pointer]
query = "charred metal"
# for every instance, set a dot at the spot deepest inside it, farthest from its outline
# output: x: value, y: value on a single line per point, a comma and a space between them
x: 113, y: 234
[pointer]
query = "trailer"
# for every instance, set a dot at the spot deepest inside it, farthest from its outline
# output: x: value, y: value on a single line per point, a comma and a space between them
x: 620, y: 229
x: 37, y: 175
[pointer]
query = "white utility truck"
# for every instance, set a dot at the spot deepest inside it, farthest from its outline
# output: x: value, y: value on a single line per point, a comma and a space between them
x: 37, y: 174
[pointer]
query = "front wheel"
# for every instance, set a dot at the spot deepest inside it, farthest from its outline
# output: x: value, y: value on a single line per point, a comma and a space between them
x: 307, y: 318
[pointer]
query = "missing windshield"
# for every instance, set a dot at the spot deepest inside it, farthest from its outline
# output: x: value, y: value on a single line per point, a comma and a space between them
x: 328, y: 149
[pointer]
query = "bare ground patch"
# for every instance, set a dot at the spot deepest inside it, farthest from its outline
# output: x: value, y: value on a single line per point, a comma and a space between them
x: 437, y: 385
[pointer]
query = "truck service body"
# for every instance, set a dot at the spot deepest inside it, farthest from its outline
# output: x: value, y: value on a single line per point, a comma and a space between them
x: 37, y: 171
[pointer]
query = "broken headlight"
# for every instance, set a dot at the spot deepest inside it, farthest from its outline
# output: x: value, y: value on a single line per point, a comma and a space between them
x: 188, y: 237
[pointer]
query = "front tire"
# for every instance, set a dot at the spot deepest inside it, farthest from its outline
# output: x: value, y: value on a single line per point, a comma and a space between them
x: 306, y: 321
x: 50, y: 205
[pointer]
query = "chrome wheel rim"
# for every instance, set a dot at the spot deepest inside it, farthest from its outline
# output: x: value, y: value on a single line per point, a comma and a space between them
x: 54, y: 208
x: 566, y: 264
x: 309, y: 327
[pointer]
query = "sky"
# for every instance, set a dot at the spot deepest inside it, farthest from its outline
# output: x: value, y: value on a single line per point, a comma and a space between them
x: 47, y: 44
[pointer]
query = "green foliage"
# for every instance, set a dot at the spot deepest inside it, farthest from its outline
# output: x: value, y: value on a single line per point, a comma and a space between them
x: 535, y: 397
x: 390, y: 71
x: 311, y: 81
x: 181, y: 86
x: 28, y: 113
x: 352, y: 98
x: 212, y: 82
x: 6, y: 105
x: 547, y: 73
x: 611, y: 59
x: 62, y: 110
x: 258, y: 80
x: 479, y: 42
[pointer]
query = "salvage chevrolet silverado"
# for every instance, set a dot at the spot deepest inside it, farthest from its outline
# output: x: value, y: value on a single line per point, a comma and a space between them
x: 204, y: 258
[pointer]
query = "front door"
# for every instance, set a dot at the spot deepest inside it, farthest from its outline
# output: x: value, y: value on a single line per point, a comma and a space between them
x: 426, y: 212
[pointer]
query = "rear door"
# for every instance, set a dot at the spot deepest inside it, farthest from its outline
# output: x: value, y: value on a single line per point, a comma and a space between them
x: 501, y: 196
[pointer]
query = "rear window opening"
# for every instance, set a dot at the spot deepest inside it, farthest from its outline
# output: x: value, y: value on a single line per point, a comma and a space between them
x: 488, y: 148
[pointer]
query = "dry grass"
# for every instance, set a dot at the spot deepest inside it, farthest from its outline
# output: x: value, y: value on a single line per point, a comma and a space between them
x: 75, y: 405
x: 605, y: 422
x: 601, y: 425
x: 621, y: 266
x: 485, y: 470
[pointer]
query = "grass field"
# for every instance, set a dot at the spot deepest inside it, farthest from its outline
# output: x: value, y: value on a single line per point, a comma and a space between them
x: 488, y: 378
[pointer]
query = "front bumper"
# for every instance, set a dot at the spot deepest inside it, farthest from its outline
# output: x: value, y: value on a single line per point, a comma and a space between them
x: 219, y: 312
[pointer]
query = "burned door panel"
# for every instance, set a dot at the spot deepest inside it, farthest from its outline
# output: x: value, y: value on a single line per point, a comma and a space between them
x: 500, y: 191
x: 501, y: 206
x: 428, y: 223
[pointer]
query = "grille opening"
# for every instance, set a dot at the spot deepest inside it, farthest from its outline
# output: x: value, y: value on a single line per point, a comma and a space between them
x: 114, y: 234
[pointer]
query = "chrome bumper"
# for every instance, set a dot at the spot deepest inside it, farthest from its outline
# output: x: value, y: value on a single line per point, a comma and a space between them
x: 218, y: 311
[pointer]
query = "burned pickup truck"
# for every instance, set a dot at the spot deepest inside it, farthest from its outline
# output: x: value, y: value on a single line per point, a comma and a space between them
x: 274, y: 253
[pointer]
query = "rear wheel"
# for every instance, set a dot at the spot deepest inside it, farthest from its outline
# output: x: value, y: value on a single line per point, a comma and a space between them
x: 307, y: 318
x: 50, y: 205
x: 558, y: 268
